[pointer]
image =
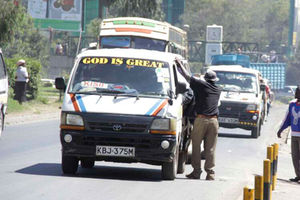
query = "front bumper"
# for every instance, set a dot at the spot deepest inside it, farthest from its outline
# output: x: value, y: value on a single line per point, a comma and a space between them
x: 147, y: 147
x: 237, y: 111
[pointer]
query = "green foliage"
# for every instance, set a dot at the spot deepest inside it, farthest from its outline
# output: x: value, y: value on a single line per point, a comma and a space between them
x: 137, y: 8
x: 33, y: 67
x: 263, y: 22
x: 93, y: 27
x: 10, y: 16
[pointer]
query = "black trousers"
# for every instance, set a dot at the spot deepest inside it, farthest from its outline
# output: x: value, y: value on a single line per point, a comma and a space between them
x: 20, y: 91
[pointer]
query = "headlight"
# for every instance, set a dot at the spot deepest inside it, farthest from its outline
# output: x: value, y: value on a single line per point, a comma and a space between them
x: 71, y: 122
x: 72, y: 119
x: 163, y: 126
x: 252, y: 108
x: 160, y: 124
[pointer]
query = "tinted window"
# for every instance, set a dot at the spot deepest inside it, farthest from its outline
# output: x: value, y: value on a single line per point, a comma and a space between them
x: 132, y: 42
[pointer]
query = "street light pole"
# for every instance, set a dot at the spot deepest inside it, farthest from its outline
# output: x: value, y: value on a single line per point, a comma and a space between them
x: 291, y: 28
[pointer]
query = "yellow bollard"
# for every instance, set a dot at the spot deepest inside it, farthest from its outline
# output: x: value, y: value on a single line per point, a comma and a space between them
x: 259, y: 188
x: 271, y: 158
x: 267, y: 179
x: 275, y: 164
x: 248, y: 194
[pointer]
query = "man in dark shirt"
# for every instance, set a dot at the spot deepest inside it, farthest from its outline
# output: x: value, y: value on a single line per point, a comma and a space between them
x: 207, y: 95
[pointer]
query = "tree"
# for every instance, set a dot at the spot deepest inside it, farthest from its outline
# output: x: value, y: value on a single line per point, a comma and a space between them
x: 9, y: 17
x: 25, y: 40
x: 137, y: 8
x: 257, y: 21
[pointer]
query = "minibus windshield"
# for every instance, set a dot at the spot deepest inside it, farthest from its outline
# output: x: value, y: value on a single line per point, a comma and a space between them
x: 132, y: 42
x: 107, y: 75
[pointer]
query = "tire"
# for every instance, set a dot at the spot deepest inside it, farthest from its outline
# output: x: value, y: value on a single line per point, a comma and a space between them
x: 69, y: 164
x: 255, y: 132
x: 169, y: 169
x: 87, y: 163
x: 181, y: 162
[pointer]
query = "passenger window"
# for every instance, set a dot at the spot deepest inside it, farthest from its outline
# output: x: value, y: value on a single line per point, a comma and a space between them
x: 2, y: 68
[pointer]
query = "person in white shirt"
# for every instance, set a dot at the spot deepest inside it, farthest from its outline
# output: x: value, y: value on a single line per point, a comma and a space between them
x: 21, y: 81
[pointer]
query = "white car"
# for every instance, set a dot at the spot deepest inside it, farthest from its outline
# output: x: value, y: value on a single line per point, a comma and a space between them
x: 3, y: 91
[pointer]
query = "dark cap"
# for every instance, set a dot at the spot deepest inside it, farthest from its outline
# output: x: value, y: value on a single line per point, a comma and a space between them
x: 211, y: 76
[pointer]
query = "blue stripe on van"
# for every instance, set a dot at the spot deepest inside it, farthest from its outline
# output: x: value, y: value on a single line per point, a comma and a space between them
x: 81, y: 104
x: 152, y: 109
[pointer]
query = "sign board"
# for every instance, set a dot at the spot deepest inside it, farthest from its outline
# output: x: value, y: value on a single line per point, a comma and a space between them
x: 214, y: 33
x: 210, y: 50
x: 63, y: 15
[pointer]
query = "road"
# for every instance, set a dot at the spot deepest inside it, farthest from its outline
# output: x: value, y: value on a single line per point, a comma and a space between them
x: 30, y: 168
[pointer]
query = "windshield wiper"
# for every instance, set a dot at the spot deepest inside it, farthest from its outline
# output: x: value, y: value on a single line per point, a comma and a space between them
x: 136, y: 94
x: 155, y: 93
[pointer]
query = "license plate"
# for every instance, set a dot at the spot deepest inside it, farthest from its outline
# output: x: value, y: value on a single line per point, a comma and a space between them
x: 115, y: 151
x: 228, y: 120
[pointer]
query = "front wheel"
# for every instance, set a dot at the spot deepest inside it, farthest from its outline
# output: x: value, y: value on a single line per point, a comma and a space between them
x: 181, y: 162
x: 169, y: 169
x: 255, y: 132
x: 69, y: 164
x: 87, y: 162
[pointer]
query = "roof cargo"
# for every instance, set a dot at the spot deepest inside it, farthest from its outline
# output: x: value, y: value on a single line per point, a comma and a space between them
x: 231, y: 59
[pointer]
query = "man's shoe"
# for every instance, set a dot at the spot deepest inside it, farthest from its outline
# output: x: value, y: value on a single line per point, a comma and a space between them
x: 296, y: 179
x: 194, y: 175
x: 210, y: 177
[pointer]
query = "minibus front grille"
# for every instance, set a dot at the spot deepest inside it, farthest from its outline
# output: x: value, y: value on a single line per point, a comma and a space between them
x: 117, y: 127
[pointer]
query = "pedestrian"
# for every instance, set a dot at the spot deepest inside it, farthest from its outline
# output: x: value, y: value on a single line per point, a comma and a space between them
x: 292, y: 119
x: 21, y: 81
x: 207, y: 95
x: 59, y: 49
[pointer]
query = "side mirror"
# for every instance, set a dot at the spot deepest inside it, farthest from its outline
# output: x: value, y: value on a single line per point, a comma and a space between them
x: 263, y: 87
x: 171, y: 96
x: 60, y: 83
x: 181, y: 87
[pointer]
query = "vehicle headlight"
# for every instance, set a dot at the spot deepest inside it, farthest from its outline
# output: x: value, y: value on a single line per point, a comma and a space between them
x: 252, y: 108
x: 163, y: 126
x: 160, y: 124
x: 72, y: 119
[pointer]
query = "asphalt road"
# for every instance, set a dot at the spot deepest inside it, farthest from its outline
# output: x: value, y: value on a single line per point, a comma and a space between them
x: 30, y: 168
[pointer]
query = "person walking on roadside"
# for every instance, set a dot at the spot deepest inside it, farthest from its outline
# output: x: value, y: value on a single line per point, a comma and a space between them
x: 292, y: 119
x: 21, y: 81
x: 207, y: 95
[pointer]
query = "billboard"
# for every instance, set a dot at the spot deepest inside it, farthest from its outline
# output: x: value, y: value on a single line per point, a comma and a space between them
x: 63, y: 15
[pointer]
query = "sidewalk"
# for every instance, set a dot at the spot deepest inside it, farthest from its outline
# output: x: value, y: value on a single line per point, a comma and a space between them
x: 41, y: 113
x: 284, y: 188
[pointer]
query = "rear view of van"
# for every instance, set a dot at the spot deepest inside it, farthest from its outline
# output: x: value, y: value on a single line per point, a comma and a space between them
x: 3, y: 91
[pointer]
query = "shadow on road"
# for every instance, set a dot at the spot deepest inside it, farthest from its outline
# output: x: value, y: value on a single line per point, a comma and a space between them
x: 102, y: 172
x: 235, y: 135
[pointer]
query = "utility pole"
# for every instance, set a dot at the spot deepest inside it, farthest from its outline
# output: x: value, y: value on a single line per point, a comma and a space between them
x: 292, y: 35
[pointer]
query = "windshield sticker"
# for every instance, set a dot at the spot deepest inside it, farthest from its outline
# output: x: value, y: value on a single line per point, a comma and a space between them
x: 93, y: 84
x: 120, y: 61
x: 160, y: 79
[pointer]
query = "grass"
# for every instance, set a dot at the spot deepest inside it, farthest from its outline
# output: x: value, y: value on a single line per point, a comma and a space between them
x: 48, y: 97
